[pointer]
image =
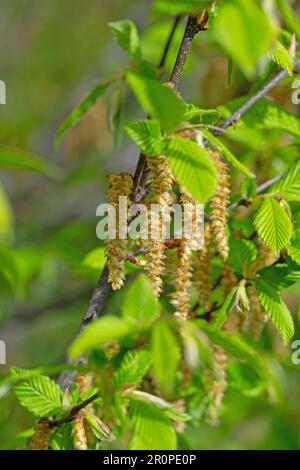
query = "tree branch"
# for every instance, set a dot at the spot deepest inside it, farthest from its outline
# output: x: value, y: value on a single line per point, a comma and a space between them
x: 74, y: 411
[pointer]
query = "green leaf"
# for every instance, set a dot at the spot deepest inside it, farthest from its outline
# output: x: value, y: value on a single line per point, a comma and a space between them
x: 273, y: 225
x: 276, y: 309
x: 192, y: 167
x: 147, y: 136
x: 95, y: 259
x: 140, y: 306
x: 134, y: 366
x: 180, y: 6
x: 17, y: 159
x: 9, y: 267
x: 289, y: 17
x: 244, y: 30
x: 81, y: 109
x: 169, y: 408
x: 245, y: 379
x: 41, y: 396
x: 265, y: 115
x: 165, y: 355
x: 221, y: 315
x: 205, y: 116
x: 241, y: 253
x: 283, y: 58
x: 218, y: 144
x: 280, y: 276
x: 232, y: 344
x: 6, y: 218
x: 293, y: 248
x: 158, y: 100
x: 99, y: 332
x: 116, y: 113
x: 151, y: 429
x: 288, y: 185
x: 127, y: 36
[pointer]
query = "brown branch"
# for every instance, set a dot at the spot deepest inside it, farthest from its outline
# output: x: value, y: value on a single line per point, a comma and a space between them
x: 74, y: 411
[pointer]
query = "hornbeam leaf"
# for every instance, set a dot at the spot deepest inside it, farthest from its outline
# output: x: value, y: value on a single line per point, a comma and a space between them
x: 127, y: 36
x: 81, y: 109
x: 40, y: 395
x: 273, y: 225
x: 282, y: 57
x: 218, y: 144
x: 147, y: 135
x: 192, y: 167
x: 289, y: 184
x: 276, y: 309
x: 158, y: 100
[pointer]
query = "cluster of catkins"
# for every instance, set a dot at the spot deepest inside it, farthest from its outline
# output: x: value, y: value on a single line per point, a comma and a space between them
x: 192, y: 264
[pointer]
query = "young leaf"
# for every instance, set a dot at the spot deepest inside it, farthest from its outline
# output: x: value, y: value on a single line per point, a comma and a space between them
x: 81, y: 109
x: 158, y: 100
x: 99, y: 332
x: 280, y: 276
x: 264, y: 114
x: 293, y: 248
x: 17, y: 159
x: 222, y: 314
x: 218, y: 144
x: 276, y: 309
x: 132, y: 369
x: 180, y: 6
x: 232, y: 344
x: 140, y: 307
x: 127, y: 36
x: 283, y: 58
x: 151, y: 429
x: 245, y: 379
x: 165, y: 355
x: 40, y: 395
x: 241, y: 253
x: 288, y: 185
x: 147, y: 136
x: 192, y: 167
x: 273, y: 225
x: 252, y: 34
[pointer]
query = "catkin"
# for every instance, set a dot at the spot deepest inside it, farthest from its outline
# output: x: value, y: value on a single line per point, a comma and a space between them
x: 229, y: 280
x: 85, y: 383
x: 219, y: 383
x: 120, y: 185
x: 78, y: 432
x: 180, y: 298
x: 42, y: 436
x: 203, y: 270
x: 161, y: 185
x: 258, y: 317
x: 219, y: 206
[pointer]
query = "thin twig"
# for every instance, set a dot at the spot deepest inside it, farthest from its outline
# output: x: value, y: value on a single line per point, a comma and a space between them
x: 74, y: 411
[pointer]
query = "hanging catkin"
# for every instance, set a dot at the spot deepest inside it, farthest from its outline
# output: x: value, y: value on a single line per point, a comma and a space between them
x: 203, y: 270
x: 120, y: 185
x: 42, y: 436
x: 180, y: 298
x: 258, y: 316
x: 78, y: 432
x: 85, y: 383
x: 229, y: 279
x: 219, y: 206
x: 161, y: 185
x: 219, y: 383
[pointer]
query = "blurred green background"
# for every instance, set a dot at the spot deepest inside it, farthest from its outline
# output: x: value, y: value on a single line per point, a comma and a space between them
x: 52, y: 53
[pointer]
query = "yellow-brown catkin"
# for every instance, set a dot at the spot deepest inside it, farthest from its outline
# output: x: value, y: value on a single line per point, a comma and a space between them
x: 203, y: 270
x: 120, y: 185
x: 229, y: 279
x: 219, y: 383
x: 85, y: 383
x: 78, y: 433
x: 42, y: 436
x: 258, y: 316
x: 180, y: 298
x: 161, y: 185
x: 265, y: 257
x: 219, y: 206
